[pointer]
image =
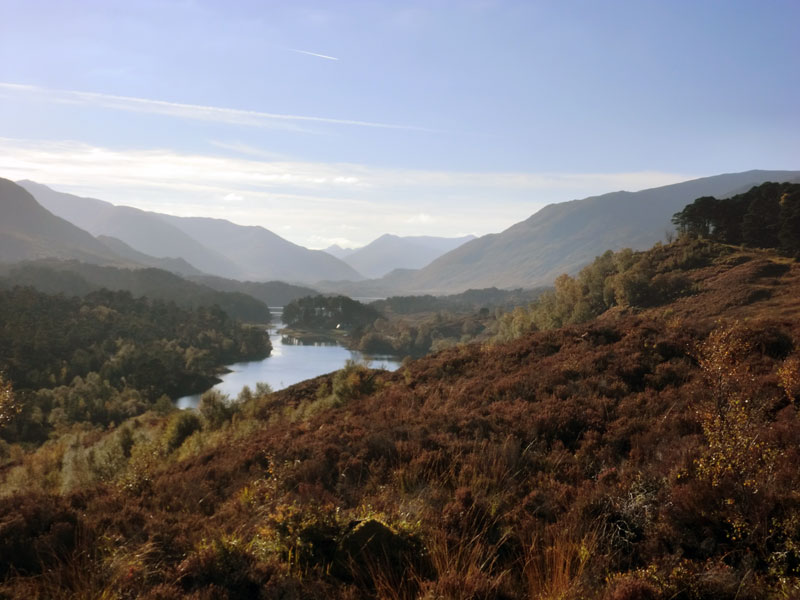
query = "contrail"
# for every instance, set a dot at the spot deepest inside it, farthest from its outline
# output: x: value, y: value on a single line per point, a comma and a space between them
x: 233, y: 116
x: 313, y: 54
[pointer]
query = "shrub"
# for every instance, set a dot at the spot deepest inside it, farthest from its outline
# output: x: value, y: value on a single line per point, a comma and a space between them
x: 180, y: 427
x: 223, y: 568
x: 351, y: 382
x: 216, y: 409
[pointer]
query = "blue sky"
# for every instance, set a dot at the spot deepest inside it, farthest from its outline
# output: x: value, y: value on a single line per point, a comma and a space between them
x: 336, y: 122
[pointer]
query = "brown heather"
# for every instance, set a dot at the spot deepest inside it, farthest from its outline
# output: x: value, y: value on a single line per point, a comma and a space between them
x: 651, y: 453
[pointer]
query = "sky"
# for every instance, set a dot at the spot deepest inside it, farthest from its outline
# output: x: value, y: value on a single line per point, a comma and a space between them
x: 336, y: 122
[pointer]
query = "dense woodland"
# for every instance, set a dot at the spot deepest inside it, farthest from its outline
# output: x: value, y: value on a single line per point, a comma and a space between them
x: 404, y: 326
x: 766, y: 216
x: 73, y: 278
x: 416, y: 325
x: 471, y: 301
x: 107, y: 356
x: 327, y: 313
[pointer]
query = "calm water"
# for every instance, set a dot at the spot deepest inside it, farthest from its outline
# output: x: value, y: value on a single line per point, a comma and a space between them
x: 289, y: 363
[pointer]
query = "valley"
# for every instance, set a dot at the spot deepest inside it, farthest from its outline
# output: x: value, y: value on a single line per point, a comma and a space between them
x: 453, y: 300
x: 629, y: 432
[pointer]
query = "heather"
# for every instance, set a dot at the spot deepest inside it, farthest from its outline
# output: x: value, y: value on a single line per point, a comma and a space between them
x: 646, y: 452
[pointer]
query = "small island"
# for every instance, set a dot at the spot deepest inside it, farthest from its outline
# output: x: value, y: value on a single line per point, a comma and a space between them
x: 320, y: 319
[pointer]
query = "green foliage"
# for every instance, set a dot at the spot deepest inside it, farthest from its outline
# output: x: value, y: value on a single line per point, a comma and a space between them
x: 107, y: 357
x: 324, y: 312
x: 8, y: 405
x: 216, y: 409
x: 789, y: 232
x: 421, y: 333
x: 469, y: 301
x: 352, y: 381
x: 625, y: 278
x: 734, y: 422
x: 180, y: 426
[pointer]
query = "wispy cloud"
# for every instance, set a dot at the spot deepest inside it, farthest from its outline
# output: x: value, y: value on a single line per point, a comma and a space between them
x: 231, y: 116
x: 313, y: 54
x: 312, y: 202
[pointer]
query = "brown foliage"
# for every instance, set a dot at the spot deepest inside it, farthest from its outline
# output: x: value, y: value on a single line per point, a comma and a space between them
x: 644, y: 455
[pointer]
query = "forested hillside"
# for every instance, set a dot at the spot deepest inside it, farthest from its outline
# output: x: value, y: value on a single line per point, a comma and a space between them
x: 647, y: 453
x: 416, y: 325
x: 76, y: 278
x: 107, y: 356
x: 272, y: 293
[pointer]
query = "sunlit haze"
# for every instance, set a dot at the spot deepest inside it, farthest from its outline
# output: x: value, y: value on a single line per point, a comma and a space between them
x: 336, y: 122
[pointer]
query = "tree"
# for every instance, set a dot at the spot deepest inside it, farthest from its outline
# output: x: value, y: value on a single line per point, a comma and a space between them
x: 699, y: 218
x: 761, y: 222
x: 8, y: 404
x: 789, y: 233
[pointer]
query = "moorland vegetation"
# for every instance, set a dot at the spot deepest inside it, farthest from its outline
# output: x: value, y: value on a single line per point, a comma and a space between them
x: 633, y: 436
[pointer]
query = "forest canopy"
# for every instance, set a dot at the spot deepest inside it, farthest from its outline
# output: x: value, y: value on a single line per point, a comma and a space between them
x: 107, y: 356
x: 766, y: 216
x: 328, y: 312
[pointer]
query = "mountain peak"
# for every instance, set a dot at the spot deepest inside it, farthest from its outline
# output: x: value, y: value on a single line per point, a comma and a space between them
x: 215, y: 246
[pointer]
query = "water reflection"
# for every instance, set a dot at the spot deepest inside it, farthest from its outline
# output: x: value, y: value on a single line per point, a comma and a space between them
x: 288, y: 340
x: 292, y: 360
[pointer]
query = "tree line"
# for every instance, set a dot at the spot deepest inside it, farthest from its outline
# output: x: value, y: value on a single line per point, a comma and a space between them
x: 328, y: 312
x: 766, y: 216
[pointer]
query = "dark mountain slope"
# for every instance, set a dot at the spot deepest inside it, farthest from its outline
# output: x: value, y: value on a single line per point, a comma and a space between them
x: 563, y: 237
x: 74, y: 278
x: 272, y: 293
x: 214, y: 246
x: 29, y: 231
x: 144, y: 231
x: 173, y: 265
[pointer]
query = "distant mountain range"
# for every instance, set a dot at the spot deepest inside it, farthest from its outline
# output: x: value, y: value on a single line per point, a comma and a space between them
x: 390, y: 252
x: 214, y: 246
x: 261, y: 255
x: 339, y: 252
x: 45, y: 251
x: 28, y: 231
x: 562, y: 238
x: 143, y: 231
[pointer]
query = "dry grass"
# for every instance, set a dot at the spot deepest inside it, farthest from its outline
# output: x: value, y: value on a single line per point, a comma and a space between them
x: 556, y: 562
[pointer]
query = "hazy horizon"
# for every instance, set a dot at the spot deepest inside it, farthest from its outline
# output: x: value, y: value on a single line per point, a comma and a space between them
x: 334, y: 125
